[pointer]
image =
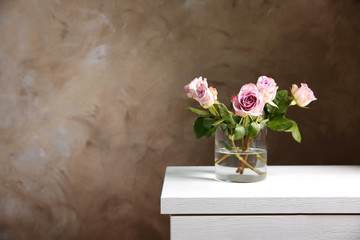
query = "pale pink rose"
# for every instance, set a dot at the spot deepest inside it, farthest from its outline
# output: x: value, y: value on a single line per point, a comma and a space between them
x: 249, y: 101
x: 303, y: 95
x: 198, y: 89
x: 267, y: 88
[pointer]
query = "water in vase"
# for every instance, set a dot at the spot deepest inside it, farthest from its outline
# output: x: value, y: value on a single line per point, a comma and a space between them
x: 249, y: 166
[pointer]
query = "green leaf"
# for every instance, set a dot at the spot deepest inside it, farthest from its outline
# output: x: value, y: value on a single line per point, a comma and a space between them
x: 230, y: 125
x: 254, y: 129
x: 225, y: 113
x: 210, y: 132
x: 199, y: 129
x: 279, y: 123
x: 218, y: 122
x: 198, y: 111
x: 227, y: 146
x: 208, y: 122
x: 239, y: 132
x: 273, y: 104
x: 295, y: 132
x: 264, y: 121
x: 202, y: 125
x: 223, y: 126
x: 282, y: 103
x: 237, y: 118
x: 213, y: 111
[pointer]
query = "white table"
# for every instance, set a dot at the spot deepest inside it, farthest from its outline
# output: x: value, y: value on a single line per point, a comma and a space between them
x: 294, y: 202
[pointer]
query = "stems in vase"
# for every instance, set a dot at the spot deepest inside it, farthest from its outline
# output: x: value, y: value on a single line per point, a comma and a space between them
x: 242, y: 160
x: 242, y: 165
x: 222, y: 159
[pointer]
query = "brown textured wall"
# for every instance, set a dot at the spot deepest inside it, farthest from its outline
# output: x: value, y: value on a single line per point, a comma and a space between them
x: 92, y: 101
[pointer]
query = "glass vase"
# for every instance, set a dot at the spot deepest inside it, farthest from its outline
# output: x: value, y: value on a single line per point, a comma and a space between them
x: 243, y: 160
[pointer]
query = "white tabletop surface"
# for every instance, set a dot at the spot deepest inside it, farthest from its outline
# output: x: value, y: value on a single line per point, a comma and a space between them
x: 287, y: 189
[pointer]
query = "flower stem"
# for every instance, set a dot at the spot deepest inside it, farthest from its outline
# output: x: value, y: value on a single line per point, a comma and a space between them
x: 241, y: 168
x: 217, y: 113
x: 222, y: 159
x: 248, y: 165
x: 261, y: 158
x: 242, y: 165
x: 243, y: 160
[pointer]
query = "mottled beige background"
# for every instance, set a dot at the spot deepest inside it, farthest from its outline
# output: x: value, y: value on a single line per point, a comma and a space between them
x: 93, y: 108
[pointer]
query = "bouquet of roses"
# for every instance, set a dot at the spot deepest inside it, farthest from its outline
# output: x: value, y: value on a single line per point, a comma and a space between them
x: 255, y: 106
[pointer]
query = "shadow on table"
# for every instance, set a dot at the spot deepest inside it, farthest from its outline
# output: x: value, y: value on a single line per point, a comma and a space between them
x: 204, y: 173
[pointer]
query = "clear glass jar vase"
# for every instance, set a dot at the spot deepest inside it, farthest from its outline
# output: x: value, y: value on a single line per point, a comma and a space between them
x: 243, y: 160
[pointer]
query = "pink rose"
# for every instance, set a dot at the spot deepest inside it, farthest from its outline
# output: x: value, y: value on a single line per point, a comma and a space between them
x: 248, y: 101
x: 267, y: 88
x: 303, y: 95
x: 198, y: 89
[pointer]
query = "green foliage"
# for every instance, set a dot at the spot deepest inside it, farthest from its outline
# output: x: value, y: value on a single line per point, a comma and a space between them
x: 204, y: 127
x: 236, y: 118
x: 218, y: 122
x: 227, y: 146
x: 279, y: 123
x: 282, y: 102
x: 254, y: 129
x: 210, y: 132
x: 295, y: 132
x: 239, y: 132
x: 277, y: 120
x: 236, y: 127
x: 212, y: 111
x: 198, y: 111
x: 225, y: 113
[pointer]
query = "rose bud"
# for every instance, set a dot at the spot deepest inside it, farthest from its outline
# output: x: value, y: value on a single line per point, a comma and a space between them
x: 303, y: 95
